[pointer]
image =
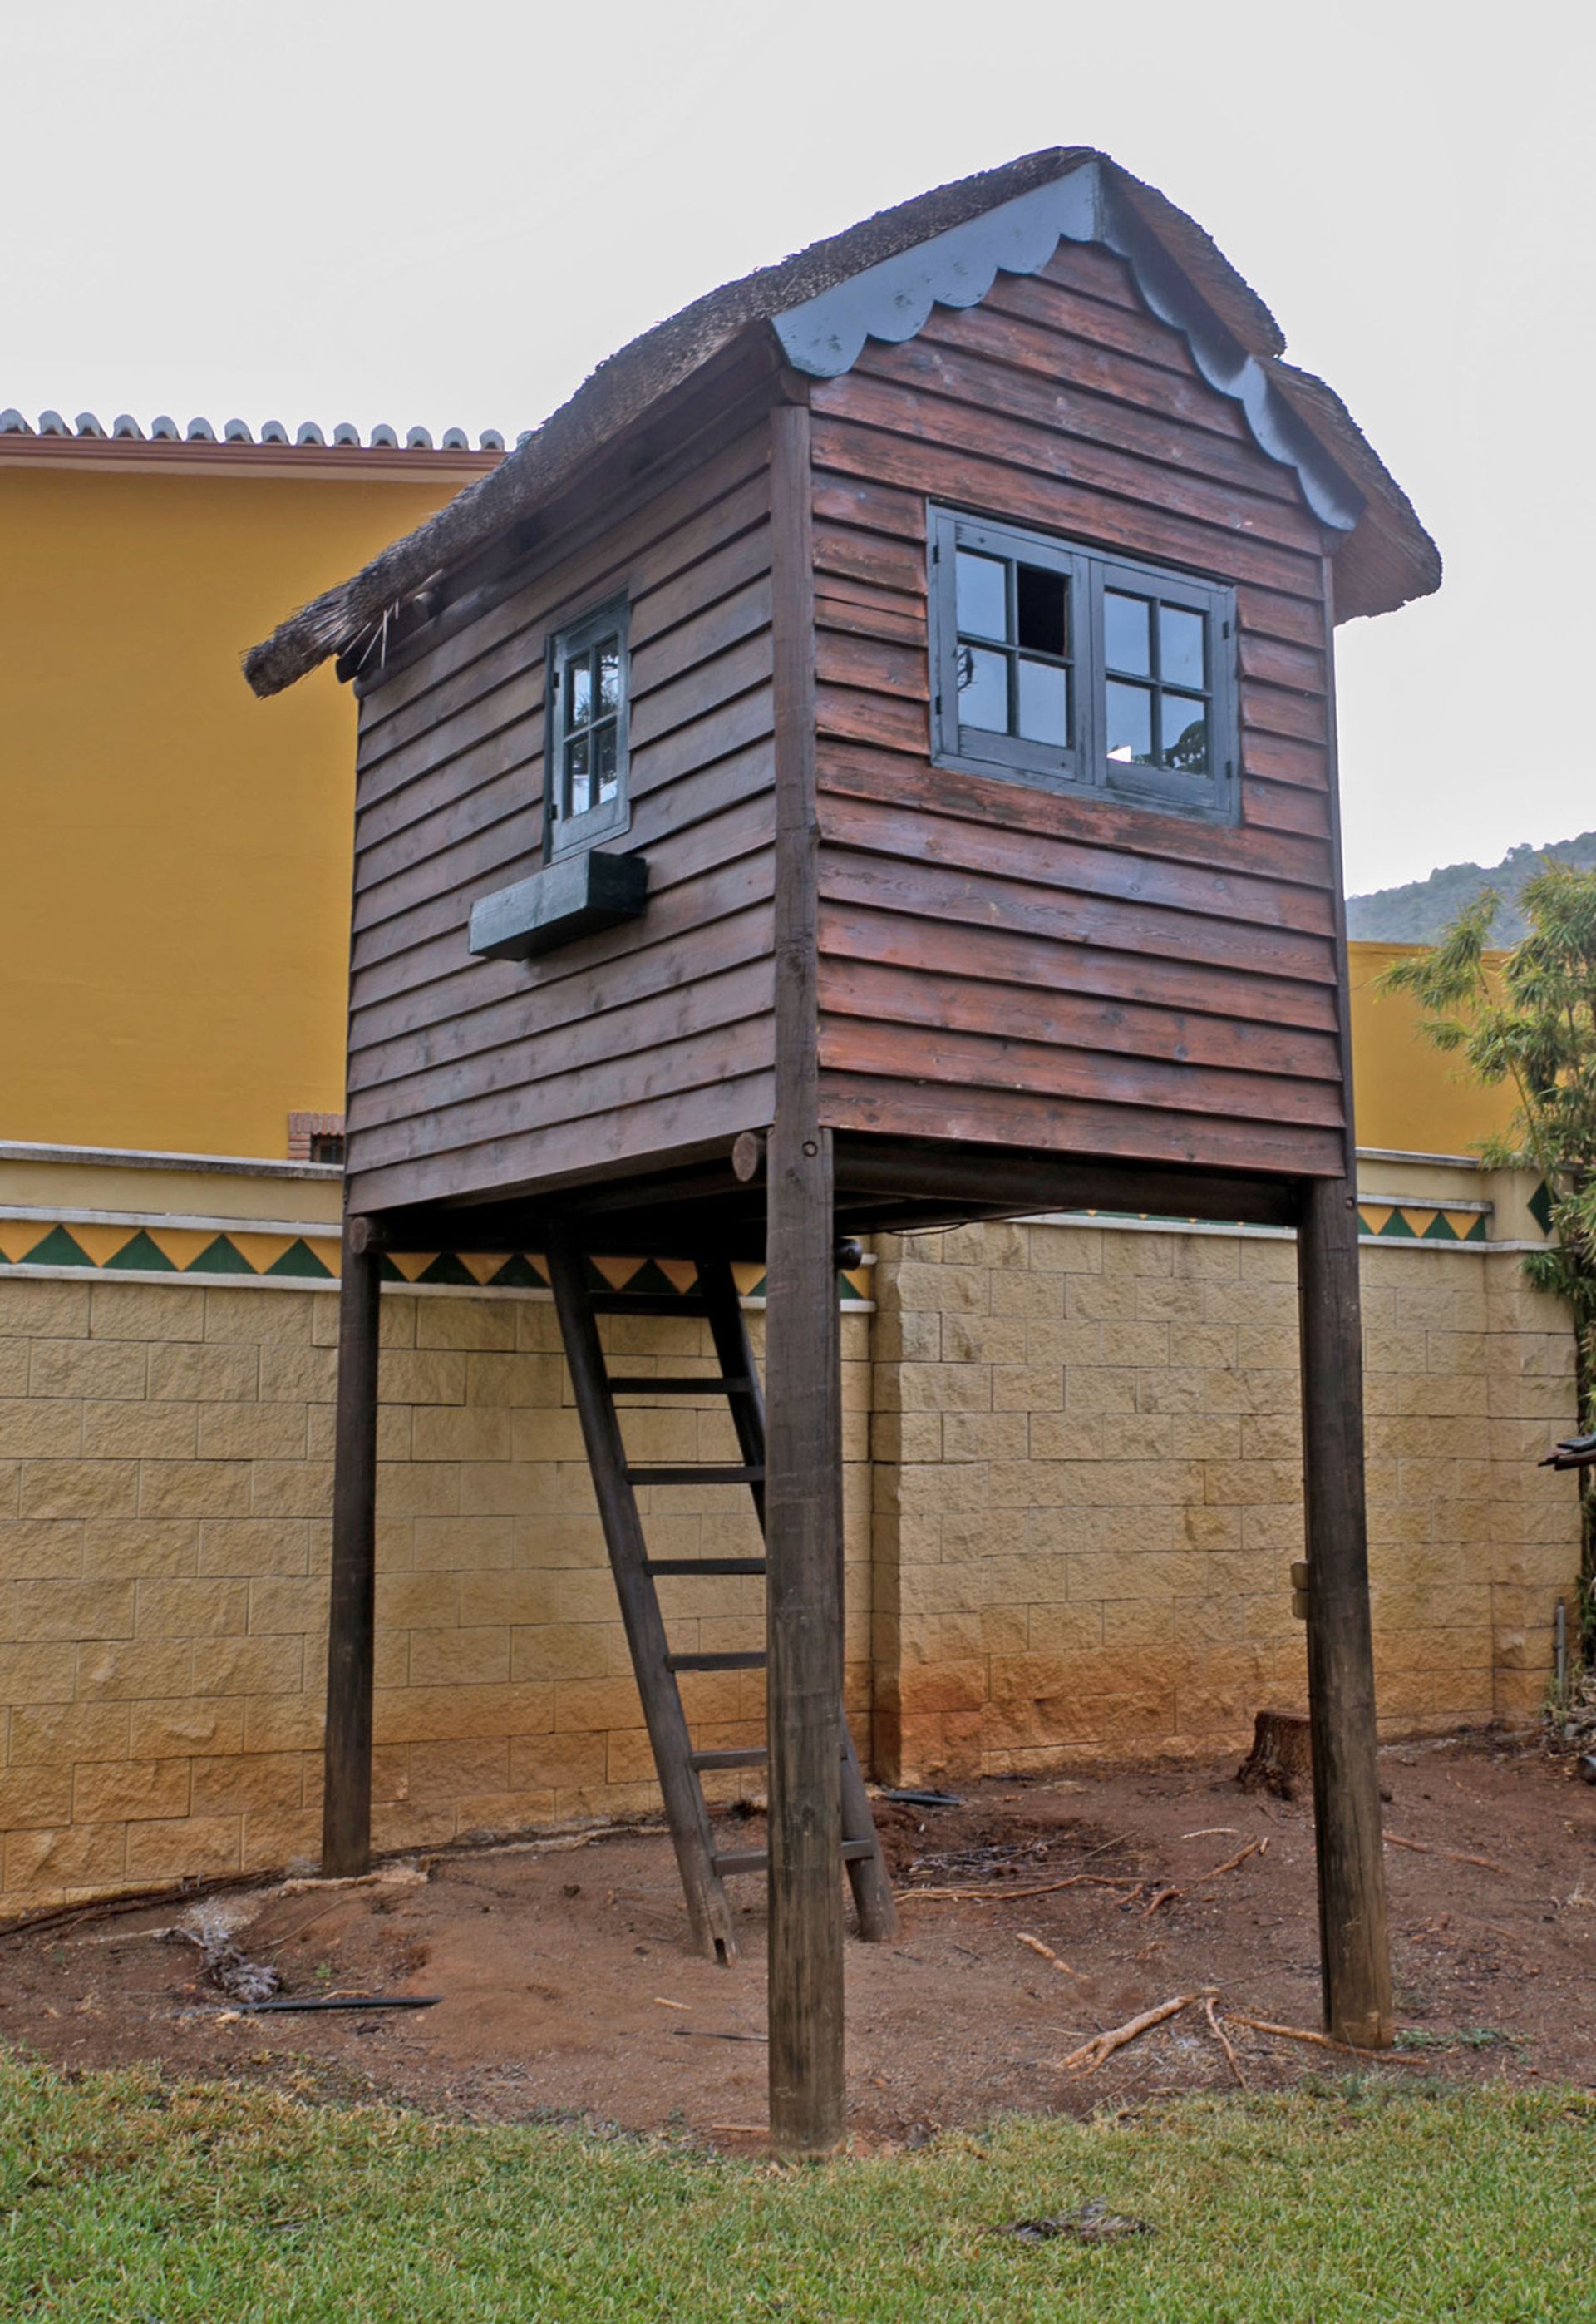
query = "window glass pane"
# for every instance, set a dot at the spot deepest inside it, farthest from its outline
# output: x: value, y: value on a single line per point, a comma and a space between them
x: 609, y: 676
x: 1184, y: 720
x: 579, y: 691
x: 983, y: 602
x: 1180, y: 647
x: 1130, y: 723
x: 983, y: 689
x: 1044, y: 703
x: 1038, y: 610
x: 1126, y: 633
x: 604, y: 774
x: 577, y: 794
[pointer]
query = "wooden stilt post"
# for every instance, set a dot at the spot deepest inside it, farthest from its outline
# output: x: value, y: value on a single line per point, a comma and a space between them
x: 803, y: 1419
x: 803, y: 1454
x: 1353, y: 1945
x: 346, y: 1798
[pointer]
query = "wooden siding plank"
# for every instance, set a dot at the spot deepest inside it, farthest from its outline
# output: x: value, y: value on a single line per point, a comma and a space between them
x: 1280, y: 710
x: 961, y: 845
x: 1087, y: 817
x: 970, y: 1061
x: 659, y: 1130
x: 423, y: 1087
x: 671, y: 531
x: 1008, y: 436
x: 696, y: 1061
x: 1103, y: 432
x: 1050, y: 498
x: 1051, y: 350
x: 585, y: 995
x: 911, y: 992
x: 1064, y: 915
x: 439, y: 987
x: 1282, y: 807
x: 1056, y: 1125
x: 851, y: 932
x: 740, y: 831
x: 848, y: 610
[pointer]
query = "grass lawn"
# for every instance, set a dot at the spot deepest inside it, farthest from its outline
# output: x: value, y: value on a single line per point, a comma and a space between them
x: 129, y: 2198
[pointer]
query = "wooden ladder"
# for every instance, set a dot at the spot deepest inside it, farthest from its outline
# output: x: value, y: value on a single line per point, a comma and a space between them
x: 679, y: 1767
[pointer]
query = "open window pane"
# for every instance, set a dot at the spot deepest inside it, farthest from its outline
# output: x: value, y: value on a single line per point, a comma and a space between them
x: 605, y: 776
x: 1130, y: 723
x: 1039, y: 609
x: 984, y: 689
x: 982, y: 597
x: 577, y: 801
x: 1181, y: 659
x: 1184, y: 721
x: 1125, y: 634
x: 1044, y: 703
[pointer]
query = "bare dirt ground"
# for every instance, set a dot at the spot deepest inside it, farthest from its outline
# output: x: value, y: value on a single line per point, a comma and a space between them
x: 569, y: 1990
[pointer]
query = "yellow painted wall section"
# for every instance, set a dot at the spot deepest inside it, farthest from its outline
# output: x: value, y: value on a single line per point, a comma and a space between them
x: 1408, y: 1096
x: 174, y: 900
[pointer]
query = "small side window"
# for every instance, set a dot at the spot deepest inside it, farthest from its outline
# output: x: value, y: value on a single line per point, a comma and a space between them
x: 586, y: 787
x: 1057, y: 665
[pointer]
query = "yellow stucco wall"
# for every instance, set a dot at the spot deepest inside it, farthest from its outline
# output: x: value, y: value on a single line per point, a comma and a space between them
x: 175, y: 892
x: 1409, y: 1097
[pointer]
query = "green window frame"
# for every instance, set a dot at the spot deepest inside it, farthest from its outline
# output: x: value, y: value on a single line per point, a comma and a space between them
x: 586, y: 787
x: 1071, y: 668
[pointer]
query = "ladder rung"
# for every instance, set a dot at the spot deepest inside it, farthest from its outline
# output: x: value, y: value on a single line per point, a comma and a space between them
x: 750, y: 1755
x: 757, y: 1860
x: 696, y: 1472
x: 704, y: 1566
x: 647, y: 1303
x: 678, y: 1384
x: 753, y: 1660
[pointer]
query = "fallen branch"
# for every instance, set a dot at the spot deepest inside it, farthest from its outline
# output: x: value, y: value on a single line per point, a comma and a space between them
x: 1012, y: 1895
x: 1048, y: 1954
x: 1223, y: 2041
x: 1319, y: 2040
x: 1162, y: 1896
x: 1254, y: 1847
x: 1424, y: 1847
x: 1102, y: 2046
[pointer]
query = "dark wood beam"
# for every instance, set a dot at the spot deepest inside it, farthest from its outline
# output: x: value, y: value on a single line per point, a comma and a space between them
x: 803, y: 1456
x: 1353, y: 1945
x: 346, y: 1798
x: 986, y: 1181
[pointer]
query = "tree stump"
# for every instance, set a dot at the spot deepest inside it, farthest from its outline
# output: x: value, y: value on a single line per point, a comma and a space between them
x: 1281, y: 1756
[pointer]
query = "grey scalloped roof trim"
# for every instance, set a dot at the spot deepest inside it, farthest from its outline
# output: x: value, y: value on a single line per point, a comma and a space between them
x: 164, y: 430
x: 892, y: 302
x: 1387, y: 559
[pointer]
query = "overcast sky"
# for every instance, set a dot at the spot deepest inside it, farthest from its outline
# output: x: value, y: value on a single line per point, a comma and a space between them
x: 446, y: 215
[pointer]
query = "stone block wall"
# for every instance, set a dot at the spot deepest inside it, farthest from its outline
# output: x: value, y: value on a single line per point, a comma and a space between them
x: 1073, y: 1492
x: 165, y: 1490
x: 1088, y: 1491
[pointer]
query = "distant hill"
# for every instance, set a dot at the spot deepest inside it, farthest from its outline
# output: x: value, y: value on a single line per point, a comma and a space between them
x: 1420, y: 911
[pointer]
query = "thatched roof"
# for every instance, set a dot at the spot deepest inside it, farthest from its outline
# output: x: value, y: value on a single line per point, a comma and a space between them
x: 1388, y: 559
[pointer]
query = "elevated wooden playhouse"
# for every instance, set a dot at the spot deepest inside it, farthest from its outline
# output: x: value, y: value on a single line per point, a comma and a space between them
x: 869, y: 761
